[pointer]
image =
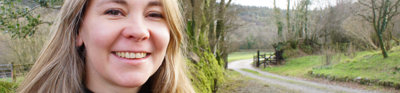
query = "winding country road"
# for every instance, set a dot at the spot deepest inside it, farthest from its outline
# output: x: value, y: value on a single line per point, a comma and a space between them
x: 293, y: 84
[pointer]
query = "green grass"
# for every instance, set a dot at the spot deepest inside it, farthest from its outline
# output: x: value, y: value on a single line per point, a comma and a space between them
x: 251, y: 71
x: 7, y: 86
x: 297, y: 67
x: 242, y: 55
x: 259, y: 74
x: 365, y: 64
x: 369, y: 65
x: 18, y: 79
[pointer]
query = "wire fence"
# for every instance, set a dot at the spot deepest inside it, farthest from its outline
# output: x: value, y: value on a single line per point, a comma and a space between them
x: 14, y: 70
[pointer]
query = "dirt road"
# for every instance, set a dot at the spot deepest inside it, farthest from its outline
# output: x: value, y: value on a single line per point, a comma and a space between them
x: 293, y: 84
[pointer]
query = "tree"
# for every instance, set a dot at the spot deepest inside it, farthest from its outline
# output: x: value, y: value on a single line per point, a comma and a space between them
x: 305, y: 8
x: 381, y: 13
x: 13, y: 11
x: 301, y: 20
x: 288, y: 17
x: 206, y: 18
x: 221, y: 52
x: 278, y: 22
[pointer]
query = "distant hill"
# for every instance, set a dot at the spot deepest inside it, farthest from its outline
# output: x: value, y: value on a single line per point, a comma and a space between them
x: 256, y: 26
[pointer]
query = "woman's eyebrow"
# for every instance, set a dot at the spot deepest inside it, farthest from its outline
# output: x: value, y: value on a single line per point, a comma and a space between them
x: 121, y: 2
x: 154, y: 3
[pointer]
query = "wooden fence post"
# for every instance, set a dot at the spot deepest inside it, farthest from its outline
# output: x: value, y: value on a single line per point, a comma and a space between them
x: 12, y: 72
x: 258, y: 58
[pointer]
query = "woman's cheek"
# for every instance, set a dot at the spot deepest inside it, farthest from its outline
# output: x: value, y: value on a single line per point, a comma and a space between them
x: 161, y: 33
x: 104, y: 34
x: 162, y: 36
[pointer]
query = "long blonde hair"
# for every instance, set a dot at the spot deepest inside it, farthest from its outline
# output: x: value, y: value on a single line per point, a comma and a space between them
x: 60, y: 67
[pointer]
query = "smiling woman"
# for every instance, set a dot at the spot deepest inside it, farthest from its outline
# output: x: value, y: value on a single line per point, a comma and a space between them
x: 119, y: 46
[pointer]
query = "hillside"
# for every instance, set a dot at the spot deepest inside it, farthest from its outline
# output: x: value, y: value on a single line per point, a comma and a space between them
x: 255, y: 27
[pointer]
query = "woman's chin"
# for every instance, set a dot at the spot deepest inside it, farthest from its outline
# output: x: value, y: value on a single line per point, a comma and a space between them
x: 131, y: 82
x: 131, y: 85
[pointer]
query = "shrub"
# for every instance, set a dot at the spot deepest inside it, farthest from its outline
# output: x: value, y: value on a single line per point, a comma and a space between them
x: 7, y: 87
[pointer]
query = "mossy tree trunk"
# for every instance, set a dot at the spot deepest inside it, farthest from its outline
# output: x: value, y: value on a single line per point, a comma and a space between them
x: 221, y: 51
x: 205, y: 32
x: 382, y: 13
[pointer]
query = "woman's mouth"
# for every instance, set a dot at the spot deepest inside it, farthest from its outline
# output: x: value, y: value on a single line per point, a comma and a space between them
x: 131, y: 55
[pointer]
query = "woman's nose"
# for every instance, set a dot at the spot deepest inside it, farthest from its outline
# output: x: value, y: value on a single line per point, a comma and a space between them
x: 136, y: 30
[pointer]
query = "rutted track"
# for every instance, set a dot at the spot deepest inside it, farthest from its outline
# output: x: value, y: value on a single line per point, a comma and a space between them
x: 296, y: 85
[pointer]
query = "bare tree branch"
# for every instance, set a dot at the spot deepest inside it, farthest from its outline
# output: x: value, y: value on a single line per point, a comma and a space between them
x: 365, y: 17
x: 228, y: 4
x: 364, y: 4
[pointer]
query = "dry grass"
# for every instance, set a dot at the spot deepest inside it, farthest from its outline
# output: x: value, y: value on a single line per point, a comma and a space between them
x: 237, y: 83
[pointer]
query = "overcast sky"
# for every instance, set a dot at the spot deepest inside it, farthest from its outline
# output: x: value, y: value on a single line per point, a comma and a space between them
x: 283, y: 3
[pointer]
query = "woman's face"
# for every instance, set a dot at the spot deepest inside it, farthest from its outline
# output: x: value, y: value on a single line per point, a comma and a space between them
x: 125, y: 41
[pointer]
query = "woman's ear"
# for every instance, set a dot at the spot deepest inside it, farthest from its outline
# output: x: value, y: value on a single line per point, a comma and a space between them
x: 79, y: 41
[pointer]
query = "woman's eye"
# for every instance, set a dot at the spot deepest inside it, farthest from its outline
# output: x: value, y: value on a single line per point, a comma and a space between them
x: 114, y: 12
x: 155, y: 15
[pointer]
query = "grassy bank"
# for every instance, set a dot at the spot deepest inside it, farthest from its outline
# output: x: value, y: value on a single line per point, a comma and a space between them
x: 367, y: 68
x: 366, y: 65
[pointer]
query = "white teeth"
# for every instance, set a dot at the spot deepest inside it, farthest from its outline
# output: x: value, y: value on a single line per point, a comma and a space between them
x: 131, y: 55
x: 118, y: 53
x: 124, y: 55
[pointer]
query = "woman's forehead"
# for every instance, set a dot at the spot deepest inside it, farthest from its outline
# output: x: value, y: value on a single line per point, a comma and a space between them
x: 127, y: 2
